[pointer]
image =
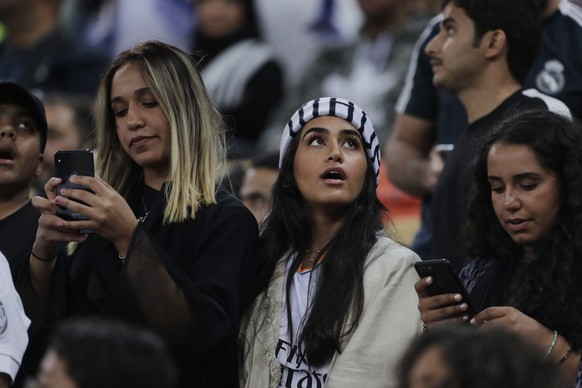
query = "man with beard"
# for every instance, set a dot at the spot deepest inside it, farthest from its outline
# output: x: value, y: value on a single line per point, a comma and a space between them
x: 427, y: 116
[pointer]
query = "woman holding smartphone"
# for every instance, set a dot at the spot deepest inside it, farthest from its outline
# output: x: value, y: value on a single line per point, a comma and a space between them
x: 168, y: 250
x: 334, y: 303
x: 523, y: 215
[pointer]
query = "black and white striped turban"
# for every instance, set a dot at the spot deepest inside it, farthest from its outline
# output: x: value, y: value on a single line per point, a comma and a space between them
x: 338, y: 107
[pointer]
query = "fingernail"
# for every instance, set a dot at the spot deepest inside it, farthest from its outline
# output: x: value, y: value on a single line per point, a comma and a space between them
x: 463, y: 306
x: 458, y: 297
x: 472, y: 321
x: 429, y: 279
x: 465, y: 318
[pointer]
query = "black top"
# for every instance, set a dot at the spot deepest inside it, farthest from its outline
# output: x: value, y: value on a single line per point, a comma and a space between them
x: 187, y: 281
x: 17, y: 234
x: 450, y: 194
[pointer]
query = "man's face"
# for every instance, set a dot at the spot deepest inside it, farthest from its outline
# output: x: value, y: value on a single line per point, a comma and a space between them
x: 456, y: 60
x: 20, y: 156
x: 63, y: 134
x: 255, y: 191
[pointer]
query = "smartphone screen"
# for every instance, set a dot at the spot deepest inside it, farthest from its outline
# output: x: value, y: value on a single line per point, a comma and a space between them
x: 444, y: 281
x: 73, y: 162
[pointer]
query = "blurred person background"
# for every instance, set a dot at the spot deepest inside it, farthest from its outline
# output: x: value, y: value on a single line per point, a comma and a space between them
x: 115, y: 25
x: 462, y: 356
x: 240, y: 71
x: 370, y: 69
x: 37, y: 53
x: 257, y: 184
x: 96, y: 353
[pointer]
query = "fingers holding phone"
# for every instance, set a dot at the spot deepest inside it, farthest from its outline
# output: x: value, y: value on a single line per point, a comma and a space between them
x: 107, y: 212
x: 442, y: 296
x: 440, y: 308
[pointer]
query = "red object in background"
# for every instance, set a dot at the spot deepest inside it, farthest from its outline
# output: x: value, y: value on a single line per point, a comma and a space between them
x: 403, y: 209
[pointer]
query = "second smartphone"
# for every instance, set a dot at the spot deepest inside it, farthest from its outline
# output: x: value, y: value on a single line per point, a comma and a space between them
x: 444, y: 281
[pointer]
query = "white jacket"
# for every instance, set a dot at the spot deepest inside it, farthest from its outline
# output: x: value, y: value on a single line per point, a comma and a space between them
x: 370, y: 354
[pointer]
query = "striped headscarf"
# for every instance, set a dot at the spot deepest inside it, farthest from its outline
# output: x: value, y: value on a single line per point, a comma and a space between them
x: 337, y: 107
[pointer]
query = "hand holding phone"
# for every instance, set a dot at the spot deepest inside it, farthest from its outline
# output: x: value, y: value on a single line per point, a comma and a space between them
x: 68, y: 163
x: 444, y: 281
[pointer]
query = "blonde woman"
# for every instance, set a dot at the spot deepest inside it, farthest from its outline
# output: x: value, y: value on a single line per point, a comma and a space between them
x: 168, y: 250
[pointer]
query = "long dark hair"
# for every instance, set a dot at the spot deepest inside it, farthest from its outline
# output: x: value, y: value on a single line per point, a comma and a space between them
x: 550, y: 289
x: 339, y: 298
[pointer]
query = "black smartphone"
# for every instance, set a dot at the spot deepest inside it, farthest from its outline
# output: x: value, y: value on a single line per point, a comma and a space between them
x: 67, y: 163
x: 444, y: 281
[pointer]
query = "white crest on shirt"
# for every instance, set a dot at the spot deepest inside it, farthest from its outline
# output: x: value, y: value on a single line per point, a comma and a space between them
x: 3, y: 320
x: 551, y: 79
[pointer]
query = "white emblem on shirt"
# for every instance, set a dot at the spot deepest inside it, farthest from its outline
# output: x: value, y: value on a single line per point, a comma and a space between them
x: 551, y: 79
x: 3, y: 320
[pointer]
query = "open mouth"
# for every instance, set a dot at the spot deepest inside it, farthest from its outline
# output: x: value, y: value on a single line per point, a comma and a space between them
x: 333, y: 174
x: 6, y: 153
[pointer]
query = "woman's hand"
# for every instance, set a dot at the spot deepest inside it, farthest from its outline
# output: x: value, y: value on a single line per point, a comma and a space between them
x: 109, y: 215
x: 511, y: 319
x: 439, y: 308
x: 51, y: 228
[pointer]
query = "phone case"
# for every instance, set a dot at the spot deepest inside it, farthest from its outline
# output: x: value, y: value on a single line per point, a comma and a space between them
x: 445, y: 280
x: 67, y: 163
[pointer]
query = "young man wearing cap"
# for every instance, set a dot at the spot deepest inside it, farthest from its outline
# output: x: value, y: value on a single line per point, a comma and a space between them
x: 23, y: 130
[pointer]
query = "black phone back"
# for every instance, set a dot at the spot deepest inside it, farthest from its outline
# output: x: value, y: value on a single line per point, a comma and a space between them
x: 444, y: 280
x: 72, y: 162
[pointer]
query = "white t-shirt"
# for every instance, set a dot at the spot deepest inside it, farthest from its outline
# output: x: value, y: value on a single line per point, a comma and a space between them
x: 296, y: 372
x: 13, y: 323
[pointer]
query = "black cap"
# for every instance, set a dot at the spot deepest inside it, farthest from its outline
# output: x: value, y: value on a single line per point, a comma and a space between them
x: 13, y: 93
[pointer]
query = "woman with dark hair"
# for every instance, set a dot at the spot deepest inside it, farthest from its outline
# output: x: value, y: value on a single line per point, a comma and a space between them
x: 334, y: 301
x: 523, y: 214
x: 240, y: 70
x: 461, y: 356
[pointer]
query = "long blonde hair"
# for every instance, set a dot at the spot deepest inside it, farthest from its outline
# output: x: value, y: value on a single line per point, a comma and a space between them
x: 197, y: 151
